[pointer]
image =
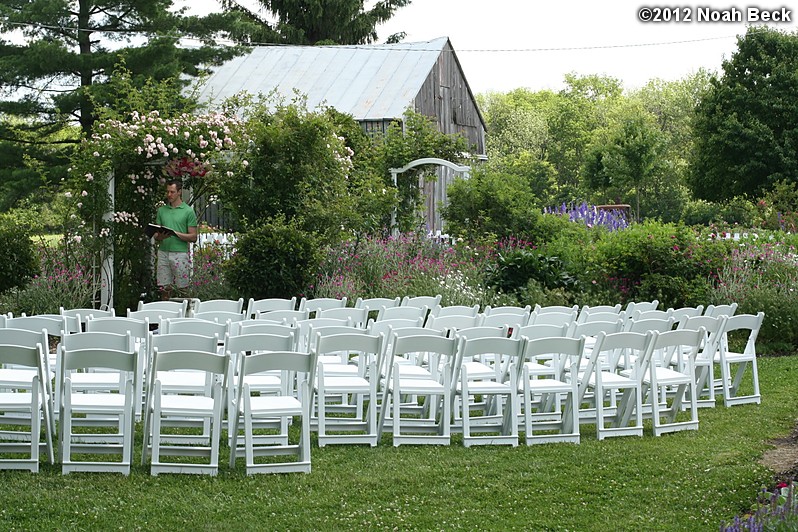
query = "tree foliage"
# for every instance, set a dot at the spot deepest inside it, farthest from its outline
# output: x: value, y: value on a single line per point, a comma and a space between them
x: 415, y: 137
x: 746, y: 126
x: 302, y: 167
x: 68, y: 50
x: 322, y: 21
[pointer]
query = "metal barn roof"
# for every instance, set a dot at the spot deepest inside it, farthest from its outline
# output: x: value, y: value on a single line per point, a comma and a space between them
x: 370, y: 82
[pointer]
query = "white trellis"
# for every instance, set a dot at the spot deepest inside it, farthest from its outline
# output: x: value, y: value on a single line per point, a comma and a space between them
x: 461, y: 169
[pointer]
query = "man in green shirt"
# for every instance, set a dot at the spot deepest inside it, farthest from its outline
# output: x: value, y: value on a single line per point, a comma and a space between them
x: 174, y: 262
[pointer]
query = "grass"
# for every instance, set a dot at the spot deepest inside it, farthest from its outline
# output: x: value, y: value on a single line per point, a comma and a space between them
x: 683, y: 481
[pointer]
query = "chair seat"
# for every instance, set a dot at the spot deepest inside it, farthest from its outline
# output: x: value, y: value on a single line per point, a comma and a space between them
x: 85, y: 381
x: 181, y: 380
x: 478, y: 370
x: 336, y: 384
x: 186, y: 404
x: 263, y: 382
x: 339, y: 370
x: 419, y: 386
x: 734, y: 357
x: 97, y: 402
x: 669, y: 377
x: 274, y: 405
x: 15, y: 401
x: 16, y: 377
x: 410, y: 371
x: 612, y: 380
x: 485, y: 387
x: 547, y: 386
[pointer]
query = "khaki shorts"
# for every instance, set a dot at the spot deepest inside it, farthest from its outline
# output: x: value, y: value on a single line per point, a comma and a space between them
x: 174, y: 268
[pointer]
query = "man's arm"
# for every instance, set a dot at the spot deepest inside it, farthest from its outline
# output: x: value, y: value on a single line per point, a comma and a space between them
x: 191, y: 236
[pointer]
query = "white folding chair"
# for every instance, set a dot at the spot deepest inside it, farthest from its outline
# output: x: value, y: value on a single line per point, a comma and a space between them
x: 555, y: 308
x: 154, y: 315
x: 193, y: 410
x: 181, y: 381
x: 20, y: 377
x: 180, y: 306
x: 552, y: 318
x: 376, y: 303
x: 550, y: 403
x: 283, y: 406
x: 427, y: 302
x: 668, y: 389
x: 423, y: 425
x: 611, y: 416
x: 359, y: 389
x: 219, y: 316
x: 84, y: 314
x: 641, y: 306
x: 94, y: 379
x: 721, y: 310
x: 402, y: 313
x: 356, y: 316
x: 113, y: 407
x: 139, y: 331
x: 735, y: 363
x: 263, y: 383
x: 315, y: 305
x: 454, y: 310
x: 492, y: 421
x: 235, y: 306
x: 452, y: 322
x: 587, y: 310
x: 512, y: 321
x: 265, y: 305
x: 261, y: 327
x: 705, y: 360
x: 507, y: 309
x: 282, y: 316
x: 27, y: 409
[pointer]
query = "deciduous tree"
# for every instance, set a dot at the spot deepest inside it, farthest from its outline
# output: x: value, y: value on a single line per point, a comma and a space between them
x: 746, y: 125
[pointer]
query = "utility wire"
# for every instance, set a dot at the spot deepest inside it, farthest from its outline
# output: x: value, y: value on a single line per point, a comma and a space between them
x: 397, y: 46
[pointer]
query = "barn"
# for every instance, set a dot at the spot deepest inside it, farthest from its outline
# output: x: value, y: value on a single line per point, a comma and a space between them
x: 373, y: 83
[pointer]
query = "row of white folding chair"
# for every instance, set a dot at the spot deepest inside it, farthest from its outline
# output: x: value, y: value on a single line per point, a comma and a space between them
x: 75, y: 353
x: 733, y: 365
x: 25, y: 400
x: 96, y: 384
x: 195, y: 406
x: 168, y: 403
x: 263, y: 409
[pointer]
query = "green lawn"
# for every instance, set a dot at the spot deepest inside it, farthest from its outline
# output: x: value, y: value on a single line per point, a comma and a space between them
x: 682, y: 481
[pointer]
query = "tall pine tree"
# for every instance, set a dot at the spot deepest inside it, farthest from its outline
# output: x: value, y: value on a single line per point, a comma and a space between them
x: 324, y: 21
x: 55, y: 55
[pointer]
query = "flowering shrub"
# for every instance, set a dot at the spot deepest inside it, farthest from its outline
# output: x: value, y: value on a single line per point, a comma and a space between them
x: 208, y: 280
x: 612, y: 219
x: 776, y: 510
x: 182, y: 167
x: 138, y: 154
x: 408, y: 265
x: 63, y: 282
x: 762, y: 276
x: 652, y: 260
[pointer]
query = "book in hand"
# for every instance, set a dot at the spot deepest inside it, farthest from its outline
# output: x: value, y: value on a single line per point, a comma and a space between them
x: 151, y: 229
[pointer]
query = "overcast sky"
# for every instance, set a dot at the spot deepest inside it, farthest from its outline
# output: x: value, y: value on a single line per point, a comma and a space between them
x: 507, y: 44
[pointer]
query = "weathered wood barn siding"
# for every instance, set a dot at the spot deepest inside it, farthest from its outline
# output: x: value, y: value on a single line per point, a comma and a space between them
x: 374, y: 83
x: 446, y: 96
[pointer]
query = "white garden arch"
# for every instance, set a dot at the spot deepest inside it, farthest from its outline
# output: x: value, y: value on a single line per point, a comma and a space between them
x: 463, y: 170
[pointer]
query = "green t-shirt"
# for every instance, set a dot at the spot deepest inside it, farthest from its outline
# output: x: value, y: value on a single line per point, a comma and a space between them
x: 179, y: 218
